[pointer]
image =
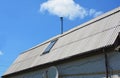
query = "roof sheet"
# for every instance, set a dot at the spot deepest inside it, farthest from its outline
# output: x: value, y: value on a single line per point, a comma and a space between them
x: 99, y: 32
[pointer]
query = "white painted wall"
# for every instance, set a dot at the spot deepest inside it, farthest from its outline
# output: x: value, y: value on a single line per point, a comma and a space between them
x: 90, y: 67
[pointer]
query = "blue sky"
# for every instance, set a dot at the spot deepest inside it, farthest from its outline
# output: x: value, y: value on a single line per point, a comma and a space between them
x: 23, y: 25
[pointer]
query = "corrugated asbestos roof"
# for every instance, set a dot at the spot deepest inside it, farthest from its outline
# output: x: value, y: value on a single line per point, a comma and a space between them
x: 99, y: 32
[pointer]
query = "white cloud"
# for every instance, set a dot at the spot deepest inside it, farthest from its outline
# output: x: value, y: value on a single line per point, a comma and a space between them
x: 67, y: 8
x: 94, y: 13
x: 98, y: 13
x: 1, y: 53
x: 64, y: 8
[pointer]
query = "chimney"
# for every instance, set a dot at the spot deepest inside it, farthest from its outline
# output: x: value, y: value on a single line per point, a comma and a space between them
x: 61, y: 19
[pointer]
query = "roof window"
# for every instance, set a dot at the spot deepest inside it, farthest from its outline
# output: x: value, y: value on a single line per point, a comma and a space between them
x: 49, y: 47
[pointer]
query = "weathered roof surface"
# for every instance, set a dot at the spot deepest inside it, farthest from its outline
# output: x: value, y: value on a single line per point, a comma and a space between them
x: 99, y: 32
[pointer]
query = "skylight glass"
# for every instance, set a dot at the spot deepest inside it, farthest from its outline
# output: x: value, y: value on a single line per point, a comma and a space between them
x: 49, y: 47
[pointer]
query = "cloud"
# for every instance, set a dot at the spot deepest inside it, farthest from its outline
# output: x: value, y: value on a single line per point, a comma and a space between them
x: 1, y: 53
x: 67, y: 8
x: 98, y: 13
x: 94, y: 13
x: 63, y: 8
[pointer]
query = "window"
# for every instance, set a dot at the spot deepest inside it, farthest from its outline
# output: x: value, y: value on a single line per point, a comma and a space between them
x: 49, y: 47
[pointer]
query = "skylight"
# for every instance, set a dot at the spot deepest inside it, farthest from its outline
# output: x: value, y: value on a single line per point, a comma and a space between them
x: 49, y: 47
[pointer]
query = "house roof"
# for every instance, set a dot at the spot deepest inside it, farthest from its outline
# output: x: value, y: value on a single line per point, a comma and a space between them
x: 100, y: 32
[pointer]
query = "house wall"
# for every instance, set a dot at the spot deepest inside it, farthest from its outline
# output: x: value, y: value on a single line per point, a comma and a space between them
x: 90, y: 67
